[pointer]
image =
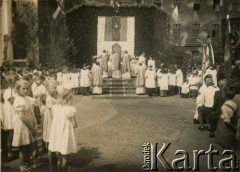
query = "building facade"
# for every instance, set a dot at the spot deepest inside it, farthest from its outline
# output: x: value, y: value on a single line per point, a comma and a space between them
x: 196, y: 20
x: 12, y: 16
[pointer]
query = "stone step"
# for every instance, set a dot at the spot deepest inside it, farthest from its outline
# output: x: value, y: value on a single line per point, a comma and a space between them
x: 118, y: 92
x: 117, y: 89
x: 119, y: 86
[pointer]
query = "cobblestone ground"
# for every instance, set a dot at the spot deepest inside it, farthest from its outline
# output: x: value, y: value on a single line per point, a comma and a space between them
x: 111, y: 132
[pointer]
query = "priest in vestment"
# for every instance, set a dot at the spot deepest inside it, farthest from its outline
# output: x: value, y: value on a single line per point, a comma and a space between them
x: 142, y: 59
x: 97, y: 79
x: 126, y: 65
x: 116, y: 65
x: 151, y: 62
x: 85, y: 80
x: 140, y: 82
x: 104, y: 63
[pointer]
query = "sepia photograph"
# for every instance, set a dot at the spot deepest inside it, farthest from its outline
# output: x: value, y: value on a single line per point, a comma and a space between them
x: 120, y: 85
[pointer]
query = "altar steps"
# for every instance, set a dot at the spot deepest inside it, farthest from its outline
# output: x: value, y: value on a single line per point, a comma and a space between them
x: 120, y: 86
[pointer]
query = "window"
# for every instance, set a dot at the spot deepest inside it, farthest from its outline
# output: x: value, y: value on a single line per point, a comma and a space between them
x: 195, y: 30
x: 235, y: 6
x: 196, y: 58
x: 196, y: 5
x: 178, y: 3
x: 125, y: 2
x: 176, y: 30
x: 215, y: 30
x: 216, y: 5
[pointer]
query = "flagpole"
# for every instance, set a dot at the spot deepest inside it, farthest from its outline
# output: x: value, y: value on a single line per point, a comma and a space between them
x: 227, y: 47
x: 203, y: 62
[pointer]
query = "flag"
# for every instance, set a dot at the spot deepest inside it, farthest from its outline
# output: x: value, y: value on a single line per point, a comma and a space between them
x: 208, y: 56
x: 58, y: 10
x: 205, y: 62
x: 205, y: 58
x: 175, y: 14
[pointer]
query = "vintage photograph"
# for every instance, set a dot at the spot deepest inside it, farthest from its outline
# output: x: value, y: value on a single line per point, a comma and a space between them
x: 120, y: 85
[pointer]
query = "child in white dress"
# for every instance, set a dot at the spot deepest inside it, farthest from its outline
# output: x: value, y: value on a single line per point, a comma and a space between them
x: 62, y: 138
x: 47, y: 118
x: 25, y: 124
x: 7, y: 117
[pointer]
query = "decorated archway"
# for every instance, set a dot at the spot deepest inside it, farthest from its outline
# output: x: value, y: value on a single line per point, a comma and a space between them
x: 150, y: 30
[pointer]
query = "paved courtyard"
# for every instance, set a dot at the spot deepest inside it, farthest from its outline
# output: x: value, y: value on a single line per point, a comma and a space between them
x: 112, y: 130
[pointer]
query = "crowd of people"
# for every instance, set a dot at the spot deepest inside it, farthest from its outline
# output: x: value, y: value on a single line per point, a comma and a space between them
x: 31, y: 100
x: 218, y: 107
x: 43, y: 97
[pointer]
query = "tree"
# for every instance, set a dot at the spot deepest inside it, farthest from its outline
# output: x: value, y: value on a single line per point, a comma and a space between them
x: 62, y: 49
x: 25, y: 33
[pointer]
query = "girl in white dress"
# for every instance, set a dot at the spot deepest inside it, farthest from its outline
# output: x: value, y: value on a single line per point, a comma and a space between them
x: 7, y: 117
x: 47, y: 120
x: 62, y: 138
x: 25, y: 123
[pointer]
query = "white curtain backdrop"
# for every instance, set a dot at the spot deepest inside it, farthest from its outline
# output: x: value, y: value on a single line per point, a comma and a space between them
x: 107, y: 45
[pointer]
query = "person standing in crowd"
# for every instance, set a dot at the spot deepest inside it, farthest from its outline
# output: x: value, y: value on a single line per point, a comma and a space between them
x: 25, y: 123
x: 194, y: 81
x: 85, y: 80
x: 97, y: 79
x: 140, y: 82
x: 126, y: 65
x: 220, y: 73
x: 219, y: 99
x: 198, y: 102
x: 66, y: 78
x: 163, y: 81
x: 142, y: 59
x: 75, y: 80
x: 47, y: 118
x: 133, y: 66
x: 39, y: 94
x: 179, y: 77
x: 172, y: 81
x: 226, y: 127
x: 235, y: 72
x: 62, y: 137
x: 212, y: 71
x: 158, y: 80
x: 207, y: 101
x: 236, y: 99
x: 8, y: 117
x: 104, y: 63
x: 151, y: 62
x: 116, y: 65
x: 110, y: 68
x: 150, y: 80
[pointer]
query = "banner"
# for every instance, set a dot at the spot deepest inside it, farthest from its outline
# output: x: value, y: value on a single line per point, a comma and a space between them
x: 116, y: 29
x: 175, y: 14
x: 208, y: 56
